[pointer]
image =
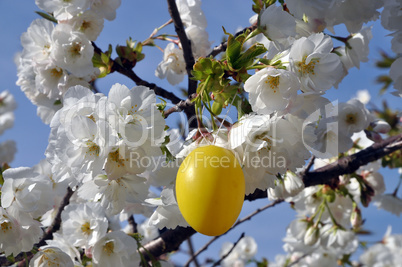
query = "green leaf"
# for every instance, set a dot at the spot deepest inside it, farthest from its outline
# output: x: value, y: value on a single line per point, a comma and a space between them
x: 233, y: 49
x: 46, y: 16
x: 248, y: 57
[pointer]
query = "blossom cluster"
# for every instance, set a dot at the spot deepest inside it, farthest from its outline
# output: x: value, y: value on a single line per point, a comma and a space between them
x: 391, y: 20
x: 107, y: 153
x: 7, y: 106
x: 58, y: 56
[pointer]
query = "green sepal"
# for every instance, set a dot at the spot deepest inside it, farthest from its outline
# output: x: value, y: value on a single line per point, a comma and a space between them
x: 166, y: 151
x: 47, y: 16
x: 129, y: 54
x: 102, y: 62
x: 216, y: 108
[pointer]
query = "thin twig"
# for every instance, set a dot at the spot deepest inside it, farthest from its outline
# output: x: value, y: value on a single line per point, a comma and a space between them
x: 248, y: 217
x: 191, y: 250
x: 182, y: 105
x: 133, y: 224
x: 309, y: 165
x: 230, y: 251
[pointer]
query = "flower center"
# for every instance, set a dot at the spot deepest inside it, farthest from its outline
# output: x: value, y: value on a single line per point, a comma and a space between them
x: 75, y: 49
x: 6, y: 226
x: 115, y: 156
x: 56, y: 72
x: 86, y: 228
x: 351, y: 118
x: 93, y: 149
x: 273, y: 82
x: 304, y: 68
x: 85, y: 25
x: 108, y: 248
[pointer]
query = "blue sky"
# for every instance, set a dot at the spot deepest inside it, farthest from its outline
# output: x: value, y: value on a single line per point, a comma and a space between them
x: 137, y: 19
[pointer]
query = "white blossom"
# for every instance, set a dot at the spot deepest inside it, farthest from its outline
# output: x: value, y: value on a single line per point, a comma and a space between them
x: 173, y: 67
x: 147, y: 231
x: 6, y: 121
x: 363, y: 96
x: 136, y: 118
x: 106, y: 8
x: 353, y: 117
x: 278, y: 25
x: 167, y: 214
x: 391, y: 15
x: 83, y: 224
x: 7, y: 151
x: 311, y: 59
x: 357, y: 49
x: 7, y: 102
x: 51, y: 256
x: 59, y: 241
x: 73, y: 51
x: 389, y: 203
x: 191, y: 13
x: 271, y: 90
x: 26, y: 192
x: 353, y: 13
x: 266, y: 146
x: 113, y: 194
x: 323, y: 135
x: 245, y: 250
x: 396, y: 75
x: 337, y: 240
x: 385, y: 253
x: 111, y: 250
x: 88, y: 23
x: 37, y: 41
x: 61, y: 9
x: 18, y: 234
x: 200, y: 45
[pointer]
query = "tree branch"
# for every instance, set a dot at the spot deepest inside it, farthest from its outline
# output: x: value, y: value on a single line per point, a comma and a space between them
x: 329, y: 174
x: 129, y: 73
x: 188, y: 58
x: 185, y: 44
x: 167, y: 242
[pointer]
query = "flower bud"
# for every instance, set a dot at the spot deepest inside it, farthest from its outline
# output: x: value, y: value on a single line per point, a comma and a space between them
x: 311, y: 236
x: 356, y: 217
x: 380, y: 126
